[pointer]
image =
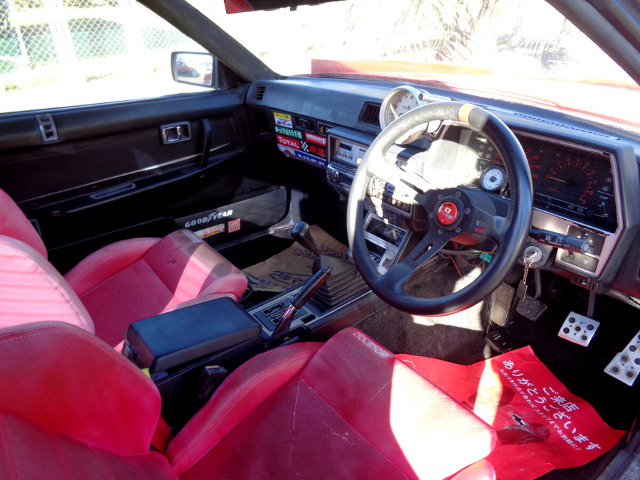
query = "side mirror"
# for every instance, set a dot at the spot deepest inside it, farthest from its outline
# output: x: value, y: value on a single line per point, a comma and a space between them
x: 195, y: 68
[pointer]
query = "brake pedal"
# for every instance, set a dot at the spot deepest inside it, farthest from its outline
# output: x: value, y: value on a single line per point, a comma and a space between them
x: 625, y: 366
x: 500, y: 304
x: 578, y: 329
x: 531, y: 308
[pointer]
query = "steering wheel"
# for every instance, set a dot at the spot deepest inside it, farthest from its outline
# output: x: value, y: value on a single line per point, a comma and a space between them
x: 448, y: 213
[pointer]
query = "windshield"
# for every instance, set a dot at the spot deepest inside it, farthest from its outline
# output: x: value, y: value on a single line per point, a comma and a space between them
x: 521, y: 50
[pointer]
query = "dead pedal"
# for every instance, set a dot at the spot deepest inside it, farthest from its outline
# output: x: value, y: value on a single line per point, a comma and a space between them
x: 500, y: 304
x: 625, y: 366
x: 531, y: 308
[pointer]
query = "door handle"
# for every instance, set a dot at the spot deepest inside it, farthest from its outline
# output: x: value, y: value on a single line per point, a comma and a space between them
x: 175, y: 132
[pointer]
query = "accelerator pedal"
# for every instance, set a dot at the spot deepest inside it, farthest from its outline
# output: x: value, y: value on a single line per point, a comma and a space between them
x: 500, y: 304
x: 625, y: 366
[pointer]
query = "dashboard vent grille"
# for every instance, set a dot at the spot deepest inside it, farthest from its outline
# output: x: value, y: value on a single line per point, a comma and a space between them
x: 258, y: 93
x: 548, y: 122
x: 371, y: 114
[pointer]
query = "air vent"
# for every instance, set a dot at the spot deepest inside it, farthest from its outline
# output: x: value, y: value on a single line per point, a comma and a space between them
x: 371, y: 114
x: 258, y: 93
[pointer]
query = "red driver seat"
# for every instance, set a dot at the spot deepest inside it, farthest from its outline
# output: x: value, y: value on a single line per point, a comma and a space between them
x: 111, y: 288
x: 345, y: 409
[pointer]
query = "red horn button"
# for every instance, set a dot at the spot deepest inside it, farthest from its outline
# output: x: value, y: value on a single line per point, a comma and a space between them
x: 447, y: 213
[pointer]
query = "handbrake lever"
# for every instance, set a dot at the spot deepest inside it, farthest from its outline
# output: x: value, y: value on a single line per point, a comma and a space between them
x: 298, y: 301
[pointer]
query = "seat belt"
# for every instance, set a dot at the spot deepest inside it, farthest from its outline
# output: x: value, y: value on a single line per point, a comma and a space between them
x: 161, y: 436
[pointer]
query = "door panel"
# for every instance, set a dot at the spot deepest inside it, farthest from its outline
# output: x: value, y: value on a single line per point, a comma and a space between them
x: 111, y: 177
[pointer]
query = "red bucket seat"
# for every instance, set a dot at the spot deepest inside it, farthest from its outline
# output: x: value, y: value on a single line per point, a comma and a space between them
x: 111, y: 288
x: 344, y: 409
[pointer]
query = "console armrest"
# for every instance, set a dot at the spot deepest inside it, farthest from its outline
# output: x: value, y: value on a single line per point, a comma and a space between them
x: 183, y: 335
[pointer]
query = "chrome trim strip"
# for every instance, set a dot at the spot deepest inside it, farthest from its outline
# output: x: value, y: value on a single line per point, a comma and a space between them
x: 153, y: 167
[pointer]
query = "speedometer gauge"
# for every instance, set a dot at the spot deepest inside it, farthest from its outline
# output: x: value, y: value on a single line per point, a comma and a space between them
x: 493, y: 179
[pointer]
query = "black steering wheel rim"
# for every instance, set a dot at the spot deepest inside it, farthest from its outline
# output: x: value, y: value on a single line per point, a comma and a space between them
x: 513, y: 234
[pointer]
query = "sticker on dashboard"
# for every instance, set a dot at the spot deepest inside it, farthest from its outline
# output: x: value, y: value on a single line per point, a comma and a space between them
x: 322, y: 128
x: 313, y: 138
x: 288, y: 142
x: 282, y: 120
x: 304, y: 156
x: 289, y: 132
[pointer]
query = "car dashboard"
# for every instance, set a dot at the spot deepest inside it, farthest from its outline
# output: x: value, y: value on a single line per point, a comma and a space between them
x: 585, y: 174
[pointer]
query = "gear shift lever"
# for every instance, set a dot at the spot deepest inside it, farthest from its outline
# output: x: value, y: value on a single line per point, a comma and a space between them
x: 301, y: 233
x: 302, y: 297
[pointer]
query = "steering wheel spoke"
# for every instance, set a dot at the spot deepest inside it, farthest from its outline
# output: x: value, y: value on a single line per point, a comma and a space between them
x: 486, y: 223
x: 430, y: 245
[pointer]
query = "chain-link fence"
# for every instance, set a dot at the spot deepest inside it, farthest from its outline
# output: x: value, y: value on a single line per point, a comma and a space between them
x: 44, y: 42
x: 42, y: 32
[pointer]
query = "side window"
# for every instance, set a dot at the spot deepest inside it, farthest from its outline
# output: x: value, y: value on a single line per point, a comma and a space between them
x: 59, y: 53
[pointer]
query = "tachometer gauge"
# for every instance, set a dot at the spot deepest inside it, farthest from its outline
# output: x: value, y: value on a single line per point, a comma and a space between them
x: 398, y: 102
x: 493, y: 179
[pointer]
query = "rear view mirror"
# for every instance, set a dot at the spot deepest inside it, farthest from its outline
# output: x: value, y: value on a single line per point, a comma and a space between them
x: 195, y: 68
x: 238, y: 6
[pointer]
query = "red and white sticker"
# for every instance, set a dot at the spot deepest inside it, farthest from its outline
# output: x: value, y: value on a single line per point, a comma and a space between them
x: 210, y: 231
x: 312, y: 137
x: 233, y: 225
x: 288, y: 142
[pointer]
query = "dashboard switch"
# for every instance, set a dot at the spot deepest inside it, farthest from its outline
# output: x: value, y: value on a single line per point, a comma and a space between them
x: 579, y: 260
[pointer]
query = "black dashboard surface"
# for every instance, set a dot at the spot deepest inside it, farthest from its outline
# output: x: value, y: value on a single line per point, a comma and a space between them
x: 569, y: 156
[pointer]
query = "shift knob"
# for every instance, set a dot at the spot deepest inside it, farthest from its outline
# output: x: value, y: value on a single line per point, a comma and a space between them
x: 301, y: 233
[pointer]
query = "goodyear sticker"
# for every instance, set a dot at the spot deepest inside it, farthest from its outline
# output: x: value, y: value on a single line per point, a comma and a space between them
x: 288, y: 142
x: 282, y: 120
x: 289, y: 132
x: 304, y: 156
x: 210, y: 231
x: 313, y: 138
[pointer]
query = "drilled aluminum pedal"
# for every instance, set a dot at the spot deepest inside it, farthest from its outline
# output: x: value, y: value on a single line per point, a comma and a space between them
x: 578, y: 329
x: 531, y: 308
x: 625, y: 366
x: 500, y: 304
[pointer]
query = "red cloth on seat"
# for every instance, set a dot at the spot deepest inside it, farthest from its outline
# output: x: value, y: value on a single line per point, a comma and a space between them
x: 344, y: 410
x: 139, y: 278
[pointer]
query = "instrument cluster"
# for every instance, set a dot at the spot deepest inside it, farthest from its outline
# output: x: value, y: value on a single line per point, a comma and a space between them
x: 569, y: 180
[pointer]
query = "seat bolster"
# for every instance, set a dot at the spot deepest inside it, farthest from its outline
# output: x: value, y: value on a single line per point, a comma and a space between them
x: 190, y: 268
x: 106, y: 262
x: 240, y: 394
x: 32, y: 290
x: 71, y: 383
x: 418, y: 427
x: 14, y: 224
